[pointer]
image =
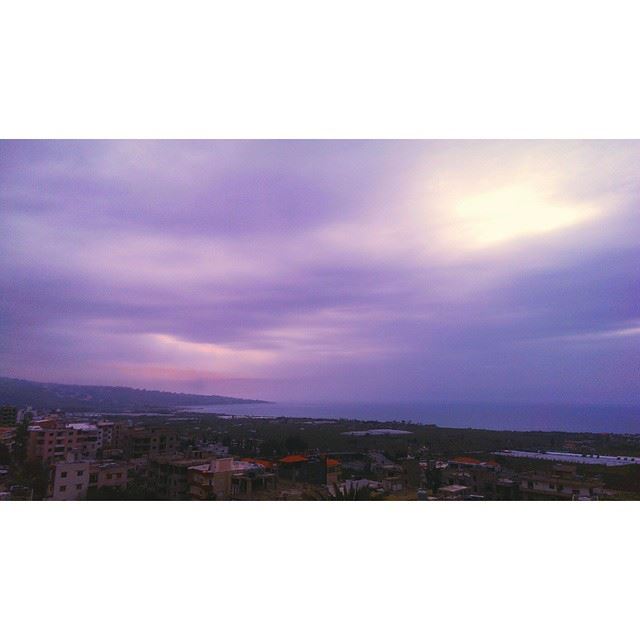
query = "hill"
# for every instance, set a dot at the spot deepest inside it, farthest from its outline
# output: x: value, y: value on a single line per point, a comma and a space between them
x: 49, y: 395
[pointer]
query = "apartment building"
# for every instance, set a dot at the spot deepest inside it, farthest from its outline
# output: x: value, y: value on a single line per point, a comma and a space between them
x: 8, y: 415
x: 108, y: 474
x: 140, y: 442
x: 8, y: 437
x: 49, y: 440
x: 69, y: 480
x: 112, y: 433
x: 76, y: 479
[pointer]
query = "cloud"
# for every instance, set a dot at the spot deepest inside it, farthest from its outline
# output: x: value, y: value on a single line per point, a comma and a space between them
x: 334, y: 269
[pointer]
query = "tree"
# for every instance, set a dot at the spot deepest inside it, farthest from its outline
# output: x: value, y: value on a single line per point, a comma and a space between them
x: 294, y: 444
x: 20, y: 446
x: 5, y: 455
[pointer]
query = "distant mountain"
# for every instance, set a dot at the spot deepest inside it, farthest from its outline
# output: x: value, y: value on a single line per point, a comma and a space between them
x: 78, y: 397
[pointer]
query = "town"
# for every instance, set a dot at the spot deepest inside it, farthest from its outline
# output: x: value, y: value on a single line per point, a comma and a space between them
x: 177, y: 455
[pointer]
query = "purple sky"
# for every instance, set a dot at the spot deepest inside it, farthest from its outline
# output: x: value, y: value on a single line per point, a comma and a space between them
x: 325, y: 270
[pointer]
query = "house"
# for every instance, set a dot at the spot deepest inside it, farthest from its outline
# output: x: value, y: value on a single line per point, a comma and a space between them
x: 453, y: 492
x: 480, y: 476
x: 562, y: 483
x: 351, y: 487
x: 333, y: 471
x: 312, y: 469
x: 507, y: 489
x: 225, y: 478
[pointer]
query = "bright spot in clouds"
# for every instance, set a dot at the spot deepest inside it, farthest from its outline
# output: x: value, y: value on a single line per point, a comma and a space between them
x: 513, y: 212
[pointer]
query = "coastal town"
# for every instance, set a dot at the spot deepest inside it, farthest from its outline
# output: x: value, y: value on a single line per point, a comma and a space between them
x: 177, y: 455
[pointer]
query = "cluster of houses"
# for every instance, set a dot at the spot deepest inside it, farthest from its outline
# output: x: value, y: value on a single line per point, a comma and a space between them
x: 89, y: 459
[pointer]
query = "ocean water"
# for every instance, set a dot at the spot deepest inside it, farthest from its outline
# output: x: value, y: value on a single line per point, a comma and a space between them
x: 518, y: 417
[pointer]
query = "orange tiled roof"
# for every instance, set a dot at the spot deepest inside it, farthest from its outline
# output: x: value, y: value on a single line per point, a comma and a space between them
x: 293, y: 458
x: 332, y: 463
x: 466, y: 460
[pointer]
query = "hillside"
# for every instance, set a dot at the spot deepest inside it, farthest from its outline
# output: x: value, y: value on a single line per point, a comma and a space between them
x: 46, y: 395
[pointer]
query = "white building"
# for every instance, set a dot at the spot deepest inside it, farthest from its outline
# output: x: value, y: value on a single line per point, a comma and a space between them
x: 69, y: 480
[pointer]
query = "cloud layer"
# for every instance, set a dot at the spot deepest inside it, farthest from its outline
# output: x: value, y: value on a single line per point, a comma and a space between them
x: 461, y: 270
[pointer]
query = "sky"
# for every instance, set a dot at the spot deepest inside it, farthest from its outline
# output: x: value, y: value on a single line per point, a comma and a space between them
x: 498, y: 271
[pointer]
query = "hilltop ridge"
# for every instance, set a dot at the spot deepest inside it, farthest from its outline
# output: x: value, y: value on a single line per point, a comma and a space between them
x: 53, y: 395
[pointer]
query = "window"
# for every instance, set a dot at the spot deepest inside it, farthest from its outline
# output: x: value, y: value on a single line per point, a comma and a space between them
x: 109, y: 476
x: 63, y: 474
x: 80, y: 473
x: 78, y: 486
x: 63, y: 488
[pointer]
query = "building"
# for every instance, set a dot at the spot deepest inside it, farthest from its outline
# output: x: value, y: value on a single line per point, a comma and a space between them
x: 309, y: 469
x: 562, y: 483
x: 8, y: 415
x: 393, y: 483
x: 168, y: 475
x: 334, y: 469
x: 481, y: 477
x: 212, y: 449
x: 112, y: 433
x: 140, y: 442
x: 507, y: 489
x: 8, y: 437
x: 453, y: 492
x: 69, y: 480
x: 49, y: 439
x: 108, y: 474
x: 225, y: 478
x: 350, y: 488
x: 77, y: 479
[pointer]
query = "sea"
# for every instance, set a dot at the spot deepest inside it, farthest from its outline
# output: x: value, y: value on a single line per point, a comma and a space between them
x: 516, y: 417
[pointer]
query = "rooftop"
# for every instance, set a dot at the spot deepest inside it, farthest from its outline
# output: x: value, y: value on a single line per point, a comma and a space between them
x: 223, y: 464
x: 453, y: 488
x: 377, y: 432
x: 292, y: 459
x: 575, y: 458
